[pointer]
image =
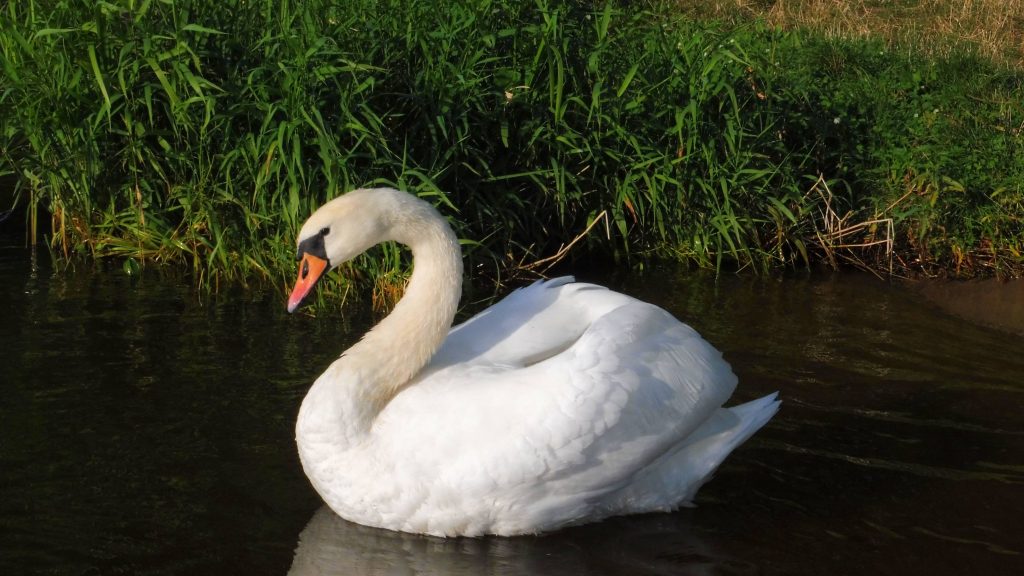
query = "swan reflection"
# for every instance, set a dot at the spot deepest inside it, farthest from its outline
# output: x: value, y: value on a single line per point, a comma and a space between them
x: 651, y: 544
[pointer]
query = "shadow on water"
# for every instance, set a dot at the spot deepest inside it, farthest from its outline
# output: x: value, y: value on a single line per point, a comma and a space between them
x: 146, y: 428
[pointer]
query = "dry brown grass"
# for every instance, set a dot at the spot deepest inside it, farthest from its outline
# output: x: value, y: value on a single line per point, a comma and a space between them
x: 994, y: 28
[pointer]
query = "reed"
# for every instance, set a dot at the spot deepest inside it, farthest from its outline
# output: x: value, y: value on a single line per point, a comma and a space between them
x: 202, y: 134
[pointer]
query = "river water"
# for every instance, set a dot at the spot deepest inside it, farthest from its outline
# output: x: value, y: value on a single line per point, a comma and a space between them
x: 146, y: 428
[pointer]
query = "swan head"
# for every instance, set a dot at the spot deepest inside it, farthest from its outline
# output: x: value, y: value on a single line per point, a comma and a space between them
x: 339, y: 231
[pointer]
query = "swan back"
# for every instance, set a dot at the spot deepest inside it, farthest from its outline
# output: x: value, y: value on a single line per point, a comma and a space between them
x: 551, y: 442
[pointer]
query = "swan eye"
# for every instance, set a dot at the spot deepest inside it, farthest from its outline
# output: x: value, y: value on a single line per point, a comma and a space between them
x: 314, y: 246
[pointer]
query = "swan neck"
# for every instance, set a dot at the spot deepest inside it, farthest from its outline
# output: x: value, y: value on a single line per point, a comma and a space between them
x: 354, y: 390
x: 396, y: 349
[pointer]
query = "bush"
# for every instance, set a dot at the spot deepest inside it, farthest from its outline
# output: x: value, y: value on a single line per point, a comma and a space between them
x: 206, y: 132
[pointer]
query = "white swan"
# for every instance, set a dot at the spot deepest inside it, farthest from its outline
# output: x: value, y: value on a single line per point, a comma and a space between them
x: 564, y: 403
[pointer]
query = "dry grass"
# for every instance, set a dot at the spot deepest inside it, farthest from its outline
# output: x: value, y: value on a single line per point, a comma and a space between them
x: 994, y: 28
x: 866, y: 245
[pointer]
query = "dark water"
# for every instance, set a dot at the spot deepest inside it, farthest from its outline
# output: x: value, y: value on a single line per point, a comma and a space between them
x: 147, y: 429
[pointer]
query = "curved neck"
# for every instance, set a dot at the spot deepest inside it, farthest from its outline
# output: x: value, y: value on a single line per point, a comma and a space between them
x: 357, y: 386
x: 396, y: 349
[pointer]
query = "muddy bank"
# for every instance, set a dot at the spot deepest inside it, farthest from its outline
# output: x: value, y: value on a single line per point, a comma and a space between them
x: 995, y: 303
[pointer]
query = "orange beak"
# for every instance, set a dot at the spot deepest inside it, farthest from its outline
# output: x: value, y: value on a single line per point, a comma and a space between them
x: 310, y: 270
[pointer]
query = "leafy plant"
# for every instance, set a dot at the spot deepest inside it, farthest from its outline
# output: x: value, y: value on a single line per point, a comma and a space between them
x: 204, y: 133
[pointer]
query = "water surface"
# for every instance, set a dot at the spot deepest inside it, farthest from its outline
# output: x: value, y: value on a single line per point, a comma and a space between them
x: 146, y: 428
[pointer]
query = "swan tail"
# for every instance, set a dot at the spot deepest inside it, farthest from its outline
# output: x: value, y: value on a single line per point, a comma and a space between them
x: 755, y: 414
x: 673, y: 479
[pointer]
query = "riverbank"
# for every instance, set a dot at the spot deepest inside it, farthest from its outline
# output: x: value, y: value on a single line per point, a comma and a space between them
x: 988, y: 302
x: 202, y: 135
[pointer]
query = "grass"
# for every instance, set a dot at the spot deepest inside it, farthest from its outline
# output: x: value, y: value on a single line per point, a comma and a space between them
x: 202, y: 134
x: 993, y: 29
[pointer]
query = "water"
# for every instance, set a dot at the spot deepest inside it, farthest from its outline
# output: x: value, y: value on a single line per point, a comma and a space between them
x: 146, y: 428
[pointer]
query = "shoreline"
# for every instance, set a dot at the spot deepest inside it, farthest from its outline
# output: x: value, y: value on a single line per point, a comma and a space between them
x: 990, y: 302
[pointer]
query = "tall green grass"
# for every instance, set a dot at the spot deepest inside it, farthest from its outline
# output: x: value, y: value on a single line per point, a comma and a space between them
x: 204, y: 133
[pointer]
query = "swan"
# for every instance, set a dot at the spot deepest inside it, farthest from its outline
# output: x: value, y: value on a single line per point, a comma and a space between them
x: 562, y: 404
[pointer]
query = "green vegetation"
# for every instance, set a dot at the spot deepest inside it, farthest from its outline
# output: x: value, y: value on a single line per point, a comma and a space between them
x: 205, y: 132
x: 936, y: 28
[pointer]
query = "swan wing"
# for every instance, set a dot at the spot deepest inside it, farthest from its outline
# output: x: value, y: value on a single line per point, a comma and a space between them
x: 641, y: 384
x: 528, y: 325
x: 540, y: 444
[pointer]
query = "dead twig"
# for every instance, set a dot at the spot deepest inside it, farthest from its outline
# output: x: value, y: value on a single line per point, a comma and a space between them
x: 540, y: 267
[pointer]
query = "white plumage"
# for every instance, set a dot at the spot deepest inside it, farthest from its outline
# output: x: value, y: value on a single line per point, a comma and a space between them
x: 564, y: 403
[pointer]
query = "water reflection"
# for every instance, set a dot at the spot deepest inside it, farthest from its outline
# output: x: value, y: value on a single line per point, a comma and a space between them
x: 655, y: 544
